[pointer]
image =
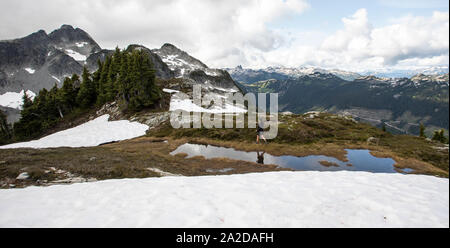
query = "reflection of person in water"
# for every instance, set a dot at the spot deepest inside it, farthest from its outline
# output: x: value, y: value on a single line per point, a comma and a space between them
x: 260, y: 157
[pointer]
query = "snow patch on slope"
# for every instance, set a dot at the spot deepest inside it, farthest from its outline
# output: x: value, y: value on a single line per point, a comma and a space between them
x: 91, y: 133
x: 75, y: 55
x: 174, y: 62
x: 57, y: 79
x: 81, y: 44
x: 14, y: 99
x: 30, y: 70
x: 170, y: 91
x: 287, y: 199
x: 189, y: 106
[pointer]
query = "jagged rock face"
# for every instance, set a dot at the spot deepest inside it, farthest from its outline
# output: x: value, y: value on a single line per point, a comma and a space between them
x: 177, y: 60
x: 193, y: 70
x: 91, y: 62
x: 68, y: 38
x: 220, y: 80
x: 162, y: 70
x: 29, y: 50
x: 39, y: 60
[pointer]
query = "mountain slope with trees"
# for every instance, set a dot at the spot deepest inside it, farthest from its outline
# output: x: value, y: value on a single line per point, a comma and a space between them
x: 125, y: 77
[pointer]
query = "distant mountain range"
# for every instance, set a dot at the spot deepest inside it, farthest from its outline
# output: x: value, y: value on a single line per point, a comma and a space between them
x: 400, y: 104
x: 247, y: 75
x: 397, y: 73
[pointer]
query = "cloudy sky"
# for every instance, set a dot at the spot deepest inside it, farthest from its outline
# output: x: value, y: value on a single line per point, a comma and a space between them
x: 350, y: 35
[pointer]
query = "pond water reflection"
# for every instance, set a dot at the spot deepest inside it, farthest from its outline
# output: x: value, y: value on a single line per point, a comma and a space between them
x: 358, y: 160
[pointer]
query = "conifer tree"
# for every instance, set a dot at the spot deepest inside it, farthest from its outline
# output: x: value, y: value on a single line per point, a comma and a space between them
x: 103, y: 82
x: 126, y: 77
x: 439, y: 135
x: 422, y: 131
x: 30, y: 123
x: 26, y: 100
x: 143, y: 92
x: 87, y: 93
x: 96, y: 76
x: 55, y: 97
x: 123, y: 81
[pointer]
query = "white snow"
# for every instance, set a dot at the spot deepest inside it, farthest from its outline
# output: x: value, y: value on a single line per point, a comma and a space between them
x: 91, y: 133
x: 182, y: 71
x: 77, y: 56
x: 225, y: 90
x: 170, y: 91
x: 81, y: 44
x: 189, y: 106
x: 14, y: 99
x: 212, y: 72
x: 273, y: 199
x: 57, y: 79
x: 23, y: 176
x: 30, y: 70
x: 174, y: 62
x: 171, y: 61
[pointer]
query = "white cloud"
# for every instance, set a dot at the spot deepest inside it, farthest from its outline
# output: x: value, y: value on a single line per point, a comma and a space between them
x: 203, y: 28
x: 360, y: 46
x: 225, y: 33
x: 412, y: 37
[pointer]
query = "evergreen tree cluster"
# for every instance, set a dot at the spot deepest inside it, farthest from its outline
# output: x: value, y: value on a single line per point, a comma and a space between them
x: 125, y: 77
x: 439, y: 136
x: 128, y: 78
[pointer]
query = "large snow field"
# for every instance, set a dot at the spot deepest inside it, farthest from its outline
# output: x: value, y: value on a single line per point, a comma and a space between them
x: 91, y: 133
x: 273, y: 199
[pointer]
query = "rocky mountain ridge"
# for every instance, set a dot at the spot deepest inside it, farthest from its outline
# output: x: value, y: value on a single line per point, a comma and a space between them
x: 41, y: 60
x: 248, y: 75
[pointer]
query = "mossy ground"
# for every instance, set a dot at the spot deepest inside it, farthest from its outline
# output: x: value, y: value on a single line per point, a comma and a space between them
x: 127, y: 159
x: 325, y: 134
x: 298, y: 135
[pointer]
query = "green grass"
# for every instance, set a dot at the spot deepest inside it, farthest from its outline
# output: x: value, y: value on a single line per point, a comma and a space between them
x: 300, y: 131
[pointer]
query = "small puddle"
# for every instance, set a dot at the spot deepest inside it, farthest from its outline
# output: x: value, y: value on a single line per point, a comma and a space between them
x: 359, y: 160
x: 407, y: 170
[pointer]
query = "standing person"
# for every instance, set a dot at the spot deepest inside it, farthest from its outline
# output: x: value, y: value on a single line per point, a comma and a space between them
x: 259, y: 134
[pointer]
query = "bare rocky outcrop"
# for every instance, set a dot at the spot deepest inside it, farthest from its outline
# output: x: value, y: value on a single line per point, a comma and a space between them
x: 152, y: 120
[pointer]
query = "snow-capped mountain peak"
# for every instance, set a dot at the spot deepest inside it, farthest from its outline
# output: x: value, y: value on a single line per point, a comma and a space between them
x: 74, y: 42
x: 280, y: 72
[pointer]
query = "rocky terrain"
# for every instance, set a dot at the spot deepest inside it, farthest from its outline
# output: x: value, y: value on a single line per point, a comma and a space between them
x: 41, y: 60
